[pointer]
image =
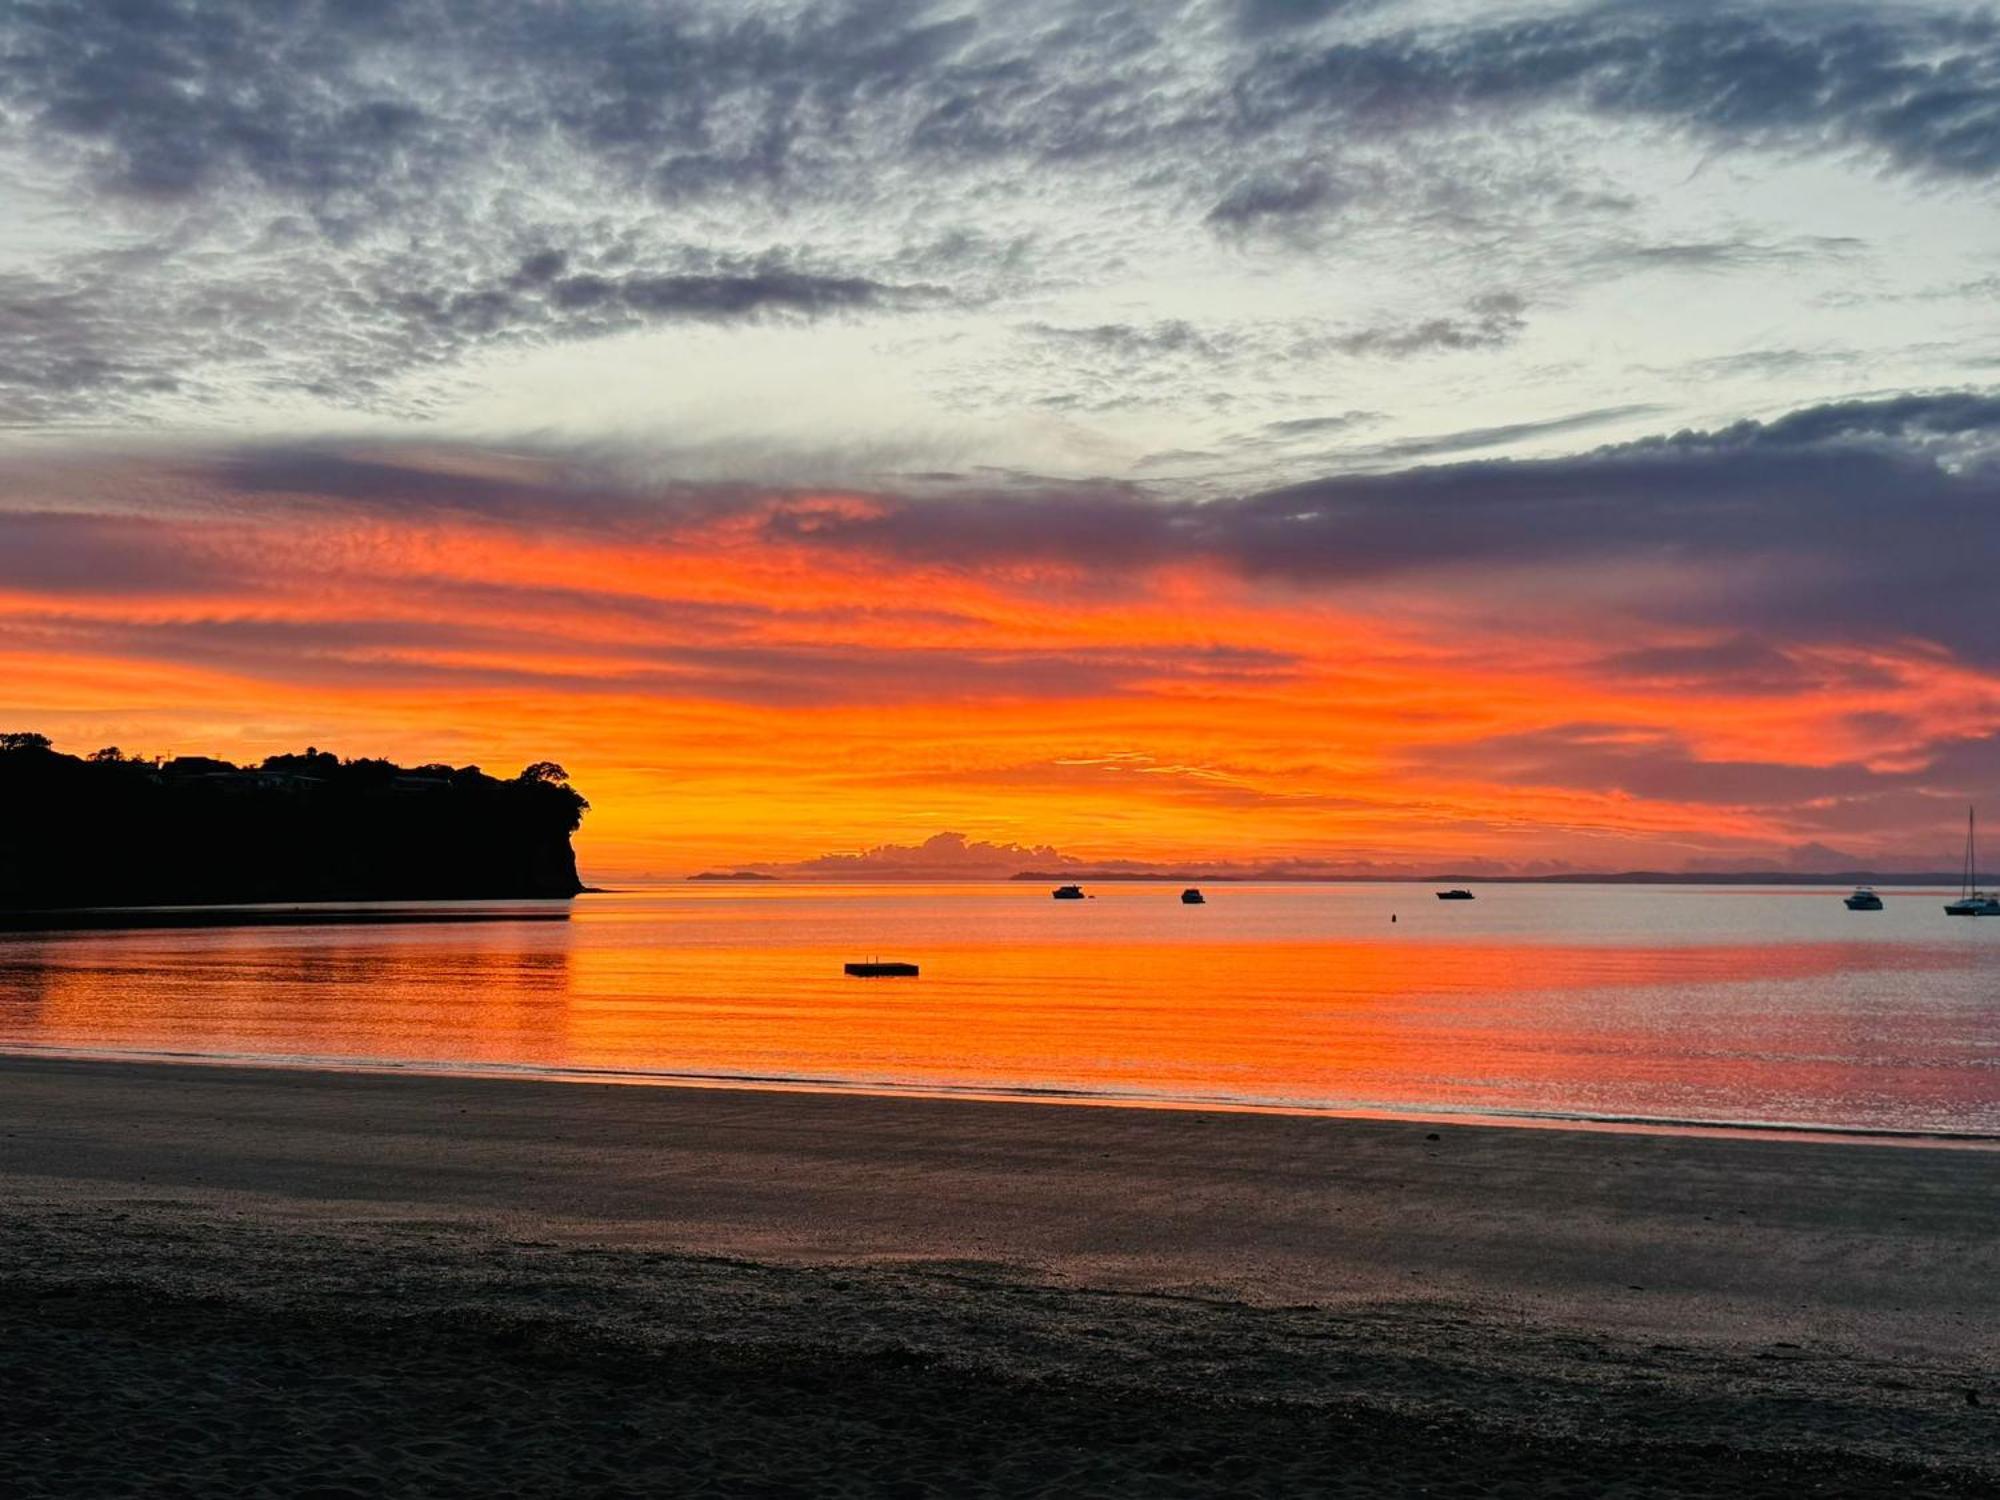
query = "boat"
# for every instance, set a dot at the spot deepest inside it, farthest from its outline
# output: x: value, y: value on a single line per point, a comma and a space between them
x: 1864, y: 899
x: 1193, y: 897
x: 1067, y: 893
x: 1972, y: 901
x: 878, y: 969
x: 1454, y: 895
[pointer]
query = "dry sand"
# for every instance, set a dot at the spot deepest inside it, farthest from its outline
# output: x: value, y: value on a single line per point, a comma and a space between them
x: 236, y: 1281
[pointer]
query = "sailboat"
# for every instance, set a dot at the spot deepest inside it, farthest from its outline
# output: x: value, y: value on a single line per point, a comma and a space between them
x: 1972, y: 902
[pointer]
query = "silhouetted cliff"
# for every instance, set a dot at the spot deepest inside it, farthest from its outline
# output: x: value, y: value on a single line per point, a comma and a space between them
x: 109, y: 831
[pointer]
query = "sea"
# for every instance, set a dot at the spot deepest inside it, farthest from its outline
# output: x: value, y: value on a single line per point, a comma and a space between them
x: 1647, y: 1006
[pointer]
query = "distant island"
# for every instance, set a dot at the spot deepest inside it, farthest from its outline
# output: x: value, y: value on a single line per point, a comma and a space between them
x: 952, y: 857
x: 113, y: 830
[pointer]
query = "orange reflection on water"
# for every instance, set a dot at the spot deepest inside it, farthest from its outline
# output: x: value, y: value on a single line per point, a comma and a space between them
x: 1577, y: 1027
x: 1811, y: 1032
x: 482, y: 995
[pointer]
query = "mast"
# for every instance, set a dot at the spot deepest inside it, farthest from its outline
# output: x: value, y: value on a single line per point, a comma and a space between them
x: 1968, y: 877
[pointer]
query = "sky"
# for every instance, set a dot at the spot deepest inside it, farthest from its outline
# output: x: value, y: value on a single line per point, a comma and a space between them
x: 1304, y: 434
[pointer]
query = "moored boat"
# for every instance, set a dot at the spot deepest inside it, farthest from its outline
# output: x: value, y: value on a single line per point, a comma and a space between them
x: 1454, y: 895
x: 1193, y: 897
x: 1067, y: 893
x: 1864, y: 899
x: 1972, y: 901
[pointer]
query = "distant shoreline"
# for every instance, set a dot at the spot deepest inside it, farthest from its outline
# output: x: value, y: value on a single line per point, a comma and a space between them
x: 1917, y: 881
x: 1624, y: 877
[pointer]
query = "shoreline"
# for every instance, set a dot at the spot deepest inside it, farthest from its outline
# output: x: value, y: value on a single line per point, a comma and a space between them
x: 727, y: 1286
x: 1524, y: 1119
x: 1248, y: 1195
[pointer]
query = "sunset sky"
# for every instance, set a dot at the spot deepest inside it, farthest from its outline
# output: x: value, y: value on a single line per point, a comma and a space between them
x: 1348, y: 436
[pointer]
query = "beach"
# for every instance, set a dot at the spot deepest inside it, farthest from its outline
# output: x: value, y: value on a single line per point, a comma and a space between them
x: 241, y: 1280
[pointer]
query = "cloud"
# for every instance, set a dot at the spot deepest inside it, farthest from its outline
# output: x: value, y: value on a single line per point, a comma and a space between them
x: 1836, y: 509
x: 1724, y: 255
x: 1312, y: 427
x: 1651, y: 763
x: 1824, y: 523
x: 1657, y: 764
x: 1739, y: 664
x: 772, y: 290
x: 397, y: 655
x: 344, y: 204
x: 220, y: 591
x: 1491, y: 321
x: 1279, y: 195
x: 124, y: 336
x: 318, y: 202
x: 65, y: 353
x: 1764, y: 364
x: 1130, y: 342
x: 346, y: 108
x: 1498, y: 437
x: 942, y: 856
x: 1917, y: 90
x: 1794, y: 558
x: 58, y: 553
x: 1259, y: 17
x: 1914, y: 415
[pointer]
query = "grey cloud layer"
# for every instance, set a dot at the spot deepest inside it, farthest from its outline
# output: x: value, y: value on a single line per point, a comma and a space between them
x: 1858, y: 521
x: 1918, y: 90
x: 1863, y: 519
x: 395, y: 186
x: 341, y: 105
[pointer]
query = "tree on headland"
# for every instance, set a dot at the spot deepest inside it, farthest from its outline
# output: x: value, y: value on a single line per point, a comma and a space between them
x: 19, y: 741
x: 546, y: 773
x: 315, y: 762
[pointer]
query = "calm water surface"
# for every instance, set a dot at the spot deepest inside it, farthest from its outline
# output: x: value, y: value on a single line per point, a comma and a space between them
x: 1620, y: 1002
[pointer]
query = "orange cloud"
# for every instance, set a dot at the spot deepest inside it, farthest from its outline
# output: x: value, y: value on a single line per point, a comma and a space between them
x: 752, y: 677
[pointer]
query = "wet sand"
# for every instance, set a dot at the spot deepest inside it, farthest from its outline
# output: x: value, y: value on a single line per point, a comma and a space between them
x: 235, y: 1280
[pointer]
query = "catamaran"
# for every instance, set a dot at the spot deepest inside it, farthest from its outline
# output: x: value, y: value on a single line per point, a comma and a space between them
x: 1972, y: 902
